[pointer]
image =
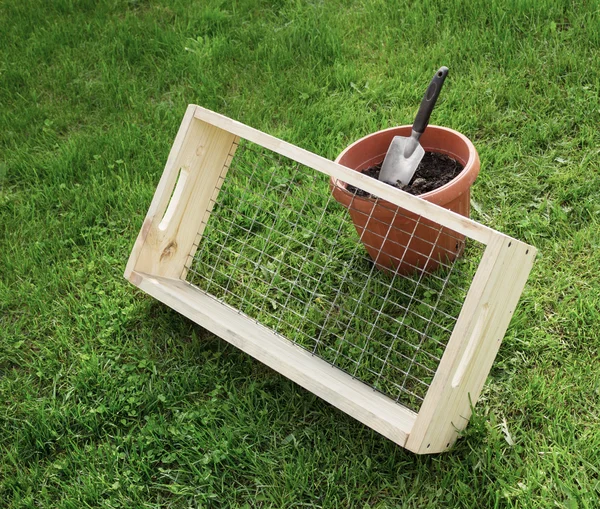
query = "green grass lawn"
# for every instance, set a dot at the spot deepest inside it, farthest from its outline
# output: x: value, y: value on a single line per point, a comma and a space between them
x: 110, y: 399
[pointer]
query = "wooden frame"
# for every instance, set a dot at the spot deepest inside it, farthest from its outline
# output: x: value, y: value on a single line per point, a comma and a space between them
x: 198, y: 163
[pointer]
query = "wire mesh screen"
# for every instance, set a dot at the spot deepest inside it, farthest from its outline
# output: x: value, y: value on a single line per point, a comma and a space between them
x: 281, y: 249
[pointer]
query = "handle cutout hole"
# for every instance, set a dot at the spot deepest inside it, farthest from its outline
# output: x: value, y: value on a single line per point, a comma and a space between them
x: 469, y: 352
x: 175, y: 198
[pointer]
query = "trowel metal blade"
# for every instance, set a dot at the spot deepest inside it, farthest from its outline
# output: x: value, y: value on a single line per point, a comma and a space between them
x: 395, y: 166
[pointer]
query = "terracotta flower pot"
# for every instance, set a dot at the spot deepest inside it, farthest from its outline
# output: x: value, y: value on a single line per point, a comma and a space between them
x: 396, y: 239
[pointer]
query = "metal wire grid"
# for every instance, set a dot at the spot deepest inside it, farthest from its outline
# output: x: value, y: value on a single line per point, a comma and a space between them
x: 278, y: 248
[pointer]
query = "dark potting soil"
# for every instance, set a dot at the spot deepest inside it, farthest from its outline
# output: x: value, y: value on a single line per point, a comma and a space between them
x: 435, y: 170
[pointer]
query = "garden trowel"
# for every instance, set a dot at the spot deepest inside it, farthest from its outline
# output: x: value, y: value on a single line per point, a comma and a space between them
x: 405, y: 154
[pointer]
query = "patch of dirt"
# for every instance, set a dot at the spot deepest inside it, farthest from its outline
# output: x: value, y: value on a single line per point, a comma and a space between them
x: 435, y: 170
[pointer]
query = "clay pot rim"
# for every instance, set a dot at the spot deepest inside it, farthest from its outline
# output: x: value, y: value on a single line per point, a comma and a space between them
x: 462, y: 181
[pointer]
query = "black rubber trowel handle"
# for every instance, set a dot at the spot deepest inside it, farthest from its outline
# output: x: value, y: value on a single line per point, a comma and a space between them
x: 429, y: 100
